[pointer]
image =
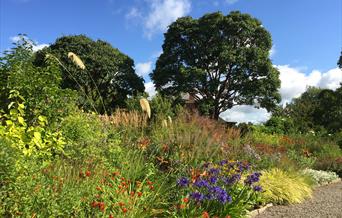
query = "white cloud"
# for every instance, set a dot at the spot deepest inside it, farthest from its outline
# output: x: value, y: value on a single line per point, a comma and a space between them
x: 144, y: 68
x: 164, y: 12
x: 35, y: 47
x: 293, y: 83
x: 133, y: 13
x: 150, y: 89
x: 245, y: 113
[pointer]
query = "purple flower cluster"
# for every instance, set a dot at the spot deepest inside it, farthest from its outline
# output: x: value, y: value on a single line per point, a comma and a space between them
x: 183, y: 182
x: 218, y: 181
x: 253, y: 178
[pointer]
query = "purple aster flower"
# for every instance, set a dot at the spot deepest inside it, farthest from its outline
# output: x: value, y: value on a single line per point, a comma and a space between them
x: 214, y: 171
x: 223, y: 162
x: 232, y: 179
x: 257, y: 188
x: 183, y: 182
x: 223, y: 197
x: 213, y: 180
x: 201, y: 183
x: 253, y: 178
x: 197, y: 196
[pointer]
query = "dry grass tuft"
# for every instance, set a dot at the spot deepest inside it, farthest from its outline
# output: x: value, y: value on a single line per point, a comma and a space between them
x: 72, y: 56
x: 122, y: 118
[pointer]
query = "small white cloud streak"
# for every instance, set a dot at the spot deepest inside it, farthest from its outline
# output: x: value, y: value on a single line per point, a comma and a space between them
x: 143, y: 69
x: 162, y: 13
x: 150, y: 89
x: 35, y: 47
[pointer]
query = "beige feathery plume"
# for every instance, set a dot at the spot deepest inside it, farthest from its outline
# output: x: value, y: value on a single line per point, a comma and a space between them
x: 145, y: 106
x: 170, y: 120
x: 72, y: 56
x: 164, y: 124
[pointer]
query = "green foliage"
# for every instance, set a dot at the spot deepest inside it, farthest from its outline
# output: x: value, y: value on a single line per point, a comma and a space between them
x: 280, y: 125
x: 40, y: 86
x: 224, y: 59
x: 33, y: 139
x: 108, y: 76
x: 259, y: 135
x: 284, y: 186
x: 301, y: 160
x: 316, y: 109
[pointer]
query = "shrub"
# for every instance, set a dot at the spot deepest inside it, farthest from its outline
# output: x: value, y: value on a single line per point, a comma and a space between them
x: 282, y: 187
x: 40, y: 86
x: 304, y: 160
x: 35, y: 139
x: 321, y: 177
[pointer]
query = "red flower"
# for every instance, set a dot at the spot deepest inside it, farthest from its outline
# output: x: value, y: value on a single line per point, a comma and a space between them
x: 124, y: 210
x: 139, y: 194
x: 151, y: 187
x: 111, y: 216
x: 101, y: 206
x: 94, y: 204
x: 88, y: 173
x: 132, y: 194
x: 149, y: 182
x: 205, y: 214
x: 121, y: 204
x: 185, y: 200
x: 99, y: 188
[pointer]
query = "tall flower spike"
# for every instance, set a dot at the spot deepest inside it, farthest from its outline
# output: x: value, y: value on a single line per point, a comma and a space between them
x: 72, y: 56
x: 145, y: 106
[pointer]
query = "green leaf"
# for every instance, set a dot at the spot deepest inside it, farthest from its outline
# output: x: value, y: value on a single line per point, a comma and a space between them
x: 21, y: 120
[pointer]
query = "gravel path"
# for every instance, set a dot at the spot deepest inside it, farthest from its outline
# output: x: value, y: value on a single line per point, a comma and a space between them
x: 326, y: 202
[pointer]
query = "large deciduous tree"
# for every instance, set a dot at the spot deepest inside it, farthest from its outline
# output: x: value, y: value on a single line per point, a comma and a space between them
x: 221, y: 61
x: 109, y: 75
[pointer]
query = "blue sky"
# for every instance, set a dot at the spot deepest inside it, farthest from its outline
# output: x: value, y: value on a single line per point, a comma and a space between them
x: 307, y: 34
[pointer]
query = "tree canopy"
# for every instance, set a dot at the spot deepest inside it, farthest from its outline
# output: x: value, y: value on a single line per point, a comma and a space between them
x: 339, y: 63
x: 221, y: 61
x: 109, y: 75
x: 316, y: 109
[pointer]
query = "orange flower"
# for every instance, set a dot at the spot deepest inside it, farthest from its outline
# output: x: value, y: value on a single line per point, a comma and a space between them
x: 124, y: 210
x: 88, y: 173
x: 139, y: 194
x: 151, y: 187
x: 205, y: 214
x: 121, y: 204
x: 101, y: 206
x: 99, y: 188
x: 94, y: 204
x: 111, y: 216
x: 227, y: 216
x: 182, y: 206
x: 149, y: 182
x: 132, y: 194
x: 185, y: 200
